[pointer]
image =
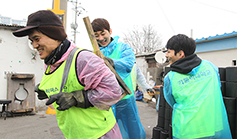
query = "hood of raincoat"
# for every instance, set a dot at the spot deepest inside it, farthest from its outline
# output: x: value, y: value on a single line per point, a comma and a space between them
x: 186, y: 65
x: 107, y: 50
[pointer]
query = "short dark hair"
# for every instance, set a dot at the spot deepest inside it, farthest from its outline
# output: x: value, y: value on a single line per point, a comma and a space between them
x: 181, y: 42
x: 100, y: 24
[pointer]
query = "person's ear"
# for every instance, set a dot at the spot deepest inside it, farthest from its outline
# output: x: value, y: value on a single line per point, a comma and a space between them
x: 110, y: 31
x: 181, y: 54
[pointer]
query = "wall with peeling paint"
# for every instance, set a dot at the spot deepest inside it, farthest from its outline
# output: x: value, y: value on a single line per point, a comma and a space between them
x: 17, y: 57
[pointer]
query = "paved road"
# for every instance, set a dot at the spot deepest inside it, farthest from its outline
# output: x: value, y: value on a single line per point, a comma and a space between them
x: 148, y: 116
x: 43, y: 126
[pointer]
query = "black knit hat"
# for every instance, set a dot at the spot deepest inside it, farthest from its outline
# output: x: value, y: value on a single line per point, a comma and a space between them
x: 47, y: 23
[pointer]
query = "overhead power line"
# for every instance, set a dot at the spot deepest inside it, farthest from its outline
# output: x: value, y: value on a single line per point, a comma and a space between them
x: 215, y: 7
x: 166, y: 17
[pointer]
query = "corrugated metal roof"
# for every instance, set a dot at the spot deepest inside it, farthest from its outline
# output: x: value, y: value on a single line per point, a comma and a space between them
x: 217, y: 37
x: 10, y: 27
x: 145, y: 54
x: 163, y: 49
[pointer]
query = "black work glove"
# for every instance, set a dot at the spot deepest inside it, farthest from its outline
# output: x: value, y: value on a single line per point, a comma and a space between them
x: 67, y: 100
x: 150, y: 92
x: 41, y: 94
x: 111, y: 62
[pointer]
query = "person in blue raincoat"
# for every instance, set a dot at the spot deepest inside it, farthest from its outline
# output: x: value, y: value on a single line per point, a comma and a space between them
x: 121, y: 56
x: 193, y: 89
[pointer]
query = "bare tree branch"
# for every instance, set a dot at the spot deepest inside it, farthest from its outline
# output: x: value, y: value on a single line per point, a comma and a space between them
x: 145, y: 39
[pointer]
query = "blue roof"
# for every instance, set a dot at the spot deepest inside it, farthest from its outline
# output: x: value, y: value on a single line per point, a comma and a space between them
x: 217, y: 36
x: 218, y: 42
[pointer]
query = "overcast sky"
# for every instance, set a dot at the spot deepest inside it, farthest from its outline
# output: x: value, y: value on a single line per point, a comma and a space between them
x: 169, y: 17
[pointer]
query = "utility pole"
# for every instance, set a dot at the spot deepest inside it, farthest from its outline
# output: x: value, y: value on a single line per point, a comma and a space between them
x: 77, y: 13
x: 61, y: 13
x: 191, y: 33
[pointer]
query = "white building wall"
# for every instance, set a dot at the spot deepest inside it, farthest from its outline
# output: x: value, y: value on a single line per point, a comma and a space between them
x: 142, y: 64
x: 222, y: 58
x: 17, y: 57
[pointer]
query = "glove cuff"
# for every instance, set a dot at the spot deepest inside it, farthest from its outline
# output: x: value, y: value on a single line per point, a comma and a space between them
x: 87, y: 102
x: 81, y: 99
x: 41, y: 94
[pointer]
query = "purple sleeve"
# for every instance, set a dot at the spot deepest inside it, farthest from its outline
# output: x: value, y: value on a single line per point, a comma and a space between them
x: 100, y: 83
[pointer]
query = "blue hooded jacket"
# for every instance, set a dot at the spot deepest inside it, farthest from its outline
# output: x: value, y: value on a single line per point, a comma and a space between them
x: 124, y: 64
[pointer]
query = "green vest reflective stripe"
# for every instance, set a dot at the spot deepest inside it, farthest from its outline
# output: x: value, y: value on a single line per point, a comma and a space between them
x: 186, y: 89
x: 128, y: 81
x: 76, y: 122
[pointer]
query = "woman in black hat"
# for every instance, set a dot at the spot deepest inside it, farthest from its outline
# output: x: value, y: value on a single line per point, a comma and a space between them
x: 82, y: 91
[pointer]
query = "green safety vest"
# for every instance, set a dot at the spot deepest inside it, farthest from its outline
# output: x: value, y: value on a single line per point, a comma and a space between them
x: 75, y: 123
x: 128, y: 80
x: 197, y: 111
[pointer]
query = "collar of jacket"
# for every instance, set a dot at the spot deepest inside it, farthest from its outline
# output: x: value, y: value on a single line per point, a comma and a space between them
x: 185, y: 65
x: 57, y: 53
